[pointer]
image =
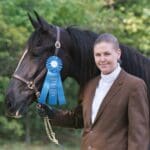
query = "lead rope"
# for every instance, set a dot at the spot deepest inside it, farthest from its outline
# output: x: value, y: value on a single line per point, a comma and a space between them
x: 50, y: 132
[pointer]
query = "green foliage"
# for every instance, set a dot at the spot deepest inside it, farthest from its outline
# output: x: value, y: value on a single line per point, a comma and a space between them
x: 128, y: 20
x: 3, y: 85
x: 71, y: 94
x: 12, y: 126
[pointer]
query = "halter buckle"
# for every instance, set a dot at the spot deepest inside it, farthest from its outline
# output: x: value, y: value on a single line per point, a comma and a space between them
x: 57, y: 44
x: 31, y: 85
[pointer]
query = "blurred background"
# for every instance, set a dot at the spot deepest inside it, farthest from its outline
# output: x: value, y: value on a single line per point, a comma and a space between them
x: 129, y: 20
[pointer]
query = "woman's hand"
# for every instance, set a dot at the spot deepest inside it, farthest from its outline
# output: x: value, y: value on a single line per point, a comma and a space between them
x: 45, y: 110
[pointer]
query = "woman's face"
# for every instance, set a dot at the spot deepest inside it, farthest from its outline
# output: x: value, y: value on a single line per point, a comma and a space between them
x: 106, y: 57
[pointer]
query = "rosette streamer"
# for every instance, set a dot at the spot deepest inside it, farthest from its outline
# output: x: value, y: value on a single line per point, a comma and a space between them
x: 52, y: 91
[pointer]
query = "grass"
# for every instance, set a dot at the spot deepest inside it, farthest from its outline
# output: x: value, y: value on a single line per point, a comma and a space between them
x: 36, y: 146
x: 68, y: 140
x: 23, y: 146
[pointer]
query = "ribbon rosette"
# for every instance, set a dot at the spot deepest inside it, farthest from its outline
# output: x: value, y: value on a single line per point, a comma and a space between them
x: 52, y: 87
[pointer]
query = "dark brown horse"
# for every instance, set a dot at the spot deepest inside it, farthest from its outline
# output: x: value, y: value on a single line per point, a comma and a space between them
x: 77, y: 57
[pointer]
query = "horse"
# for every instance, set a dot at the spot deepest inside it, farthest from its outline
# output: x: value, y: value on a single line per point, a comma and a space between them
x: 77, y: 57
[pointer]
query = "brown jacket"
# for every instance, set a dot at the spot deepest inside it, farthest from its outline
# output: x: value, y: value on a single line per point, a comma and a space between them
x: 122, y: 122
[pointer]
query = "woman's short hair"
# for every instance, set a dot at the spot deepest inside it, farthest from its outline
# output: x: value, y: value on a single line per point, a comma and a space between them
x: 107, y: 37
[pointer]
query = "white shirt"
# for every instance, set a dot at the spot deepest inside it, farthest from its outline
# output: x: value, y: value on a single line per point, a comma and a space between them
x: 102, y: 89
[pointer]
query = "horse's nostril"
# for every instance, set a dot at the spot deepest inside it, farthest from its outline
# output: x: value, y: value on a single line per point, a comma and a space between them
x: 9, y: 105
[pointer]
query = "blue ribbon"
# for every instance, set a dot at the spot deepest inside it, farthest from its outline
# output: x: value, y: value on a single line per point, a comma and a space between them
x: 52, y: 90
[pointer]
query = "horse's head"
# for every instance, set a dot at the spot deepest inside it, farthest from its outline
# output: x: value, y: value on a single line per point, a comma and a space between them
x: 29, y: 74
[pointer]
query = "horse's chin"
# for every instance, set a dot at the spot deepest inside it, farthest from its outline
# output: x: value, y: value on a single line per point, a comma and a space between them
x: 15, y: 115
x: 19, y: 113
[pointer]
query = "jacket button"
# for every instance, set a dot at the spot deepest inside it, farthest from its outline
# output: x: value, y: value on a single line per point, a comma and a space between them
x: 91, y: 131
x: 89, y: 147
x: 88, y: 129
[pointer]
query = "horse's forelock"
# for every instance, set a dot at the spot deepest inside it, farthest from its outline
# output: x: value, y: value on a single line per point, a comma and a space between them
x: 40, y: 36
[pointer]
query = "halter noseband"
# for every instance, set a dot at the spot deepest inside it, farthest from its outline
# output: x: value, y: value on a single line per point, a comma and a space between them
x: 31, y: 84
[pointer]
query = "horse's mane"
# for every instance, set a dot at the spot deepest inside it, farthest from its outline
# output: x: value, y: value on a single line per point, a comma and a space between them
x: 83, y: 45
x: 132, y: 61
x: 136, y: 63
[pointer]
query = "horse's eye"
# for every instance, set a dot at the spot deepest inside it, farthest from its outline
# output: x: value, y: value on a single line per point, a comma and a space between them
x: 36, y: 52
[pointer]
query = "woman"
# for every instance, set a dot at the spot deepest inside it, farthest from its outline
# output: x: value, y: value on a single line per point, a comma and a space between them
x: 114, y: 110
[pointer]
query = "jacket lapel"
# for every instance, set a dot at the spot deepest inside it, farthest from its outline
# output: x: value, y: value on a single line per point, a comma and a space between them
x: 90, y: 95
x: 111, y: 93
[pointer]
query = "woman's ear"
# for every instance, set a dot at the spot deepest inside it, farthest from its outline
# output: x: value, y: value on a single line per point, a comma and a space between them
x: 119, y: 53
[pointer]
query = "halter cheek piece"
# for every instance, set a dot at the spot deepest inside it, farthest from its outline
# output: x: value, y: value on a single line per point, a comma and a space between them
x: 31, y: 84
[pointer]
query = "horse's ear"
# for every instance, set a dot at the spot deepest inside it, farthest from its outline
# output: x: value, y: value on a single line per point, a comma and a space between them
x: 34, y: 23
x: 43, y: 24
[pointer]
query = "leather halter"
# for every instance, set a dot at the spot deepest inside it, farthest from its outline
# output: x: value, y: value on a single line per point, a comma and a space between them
x: 31, y: 84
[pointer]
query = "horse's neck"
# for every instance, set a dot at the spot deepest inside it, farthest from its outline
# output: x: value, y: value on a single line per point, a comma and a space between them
x: 136, y: 64
x: 84, y: 67
x: 82, y: 55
